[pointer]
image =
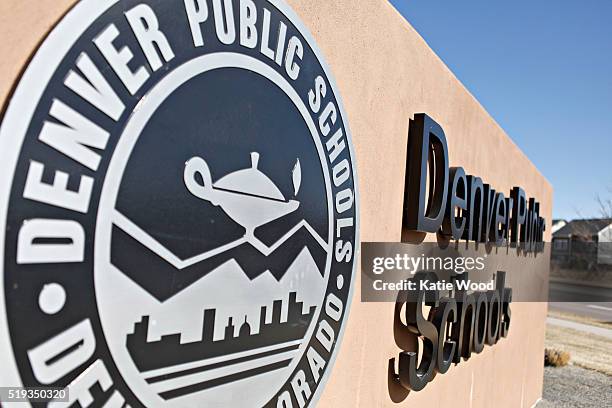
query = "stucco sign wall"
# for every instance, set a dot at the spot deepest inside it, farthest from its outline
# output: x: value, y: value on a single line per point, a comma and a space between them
x: 181, y: 216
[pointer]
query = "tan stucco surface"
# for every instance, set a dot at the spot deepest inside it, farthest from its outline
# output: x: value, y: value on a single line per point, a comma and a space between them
x: 386, y: 73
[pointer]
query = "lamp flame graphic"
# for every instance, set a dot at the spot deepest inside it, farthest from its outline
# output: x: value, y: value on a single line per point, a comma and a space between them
x: 247, y: 196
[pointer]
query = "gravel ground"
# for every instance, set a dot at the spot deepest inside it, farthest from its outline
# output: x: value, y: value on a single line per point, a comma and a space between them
x: 575, y: 387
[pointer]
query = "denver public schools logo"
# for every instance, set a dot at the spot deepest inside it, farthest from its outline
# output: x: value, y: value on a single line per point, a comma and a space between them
x: 178, y: 208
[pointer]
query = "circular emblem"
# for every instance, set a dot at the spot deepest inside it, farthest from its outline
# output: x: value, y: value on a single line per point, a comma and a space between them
x: 178, y: 208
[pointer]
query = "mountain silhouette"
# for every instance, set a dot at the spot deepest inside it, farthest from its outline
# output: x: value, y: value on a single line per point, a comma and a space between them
x: 163, y: 280
x: 229, y: 290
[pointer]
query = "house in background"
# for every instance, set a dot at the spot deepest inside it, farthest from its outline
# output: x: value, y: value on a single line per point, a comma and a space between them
x: 583, y: 244
x: 557, y: 225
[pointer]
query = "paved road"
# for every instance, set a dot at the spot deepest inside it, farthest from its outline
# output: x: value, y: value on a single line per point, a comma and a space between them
x: 583, y: 300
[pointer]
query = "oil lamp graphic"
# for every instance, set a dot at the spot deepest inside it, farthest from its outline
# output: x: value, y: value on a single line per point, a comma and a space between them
x: 247, y: 196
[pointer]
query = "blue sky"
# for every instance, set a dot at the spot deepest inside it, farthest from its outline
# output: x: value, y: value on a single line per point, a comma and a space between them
x: 543, y: 70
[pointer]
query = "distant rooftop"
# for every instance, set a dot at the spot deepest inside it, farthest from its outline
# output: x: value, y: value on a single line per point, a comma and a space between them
x: 585, y: 227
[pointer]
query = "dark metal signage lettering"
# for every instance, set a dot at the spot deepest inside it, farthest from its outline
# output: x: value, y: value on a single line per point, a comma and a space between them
x: 445, y: 200
x: 461, y: 206
x: 451, y: 329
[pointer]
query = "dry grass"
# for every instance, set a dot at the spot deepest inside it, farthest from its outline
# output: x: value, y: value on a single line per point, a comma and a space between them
x: 586, y: 350
x: 578, y: 319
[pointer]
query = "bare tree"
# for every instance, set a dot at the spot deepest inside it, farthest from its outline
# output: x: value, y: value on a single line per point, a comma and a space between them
x: 605, y: 204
